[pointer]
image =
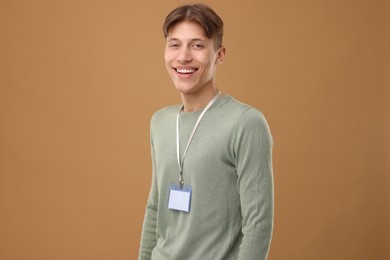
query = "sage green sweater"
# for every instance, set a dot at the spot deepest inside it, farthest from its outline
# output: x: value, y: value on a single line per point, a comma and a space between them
x: 229, y: 166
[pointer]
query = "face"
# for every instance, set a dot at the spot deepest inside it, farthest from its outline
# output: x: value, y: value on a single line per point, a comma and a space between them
x: 191, y: 58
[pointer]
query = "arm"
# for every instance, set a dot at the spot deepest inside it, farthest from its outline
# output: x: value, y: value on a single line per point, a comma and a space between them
x: 148, y: 239
x: 253, y: 147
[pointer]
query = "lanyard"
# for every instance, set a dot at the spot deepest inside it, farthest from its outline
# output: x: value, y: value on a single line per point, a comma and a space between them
x: 180, y: 162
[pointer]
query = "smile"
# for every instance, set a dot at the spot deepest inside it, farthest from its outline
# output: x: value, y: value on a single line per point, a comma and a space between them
x: 185, y: 71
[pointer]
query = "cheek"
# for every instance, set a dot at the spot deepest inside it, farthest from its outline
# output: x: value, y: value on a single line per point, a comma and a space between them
x: 166, y: 59
x: 208, y: 60
x: 208, y: 64
x: 168, y: 56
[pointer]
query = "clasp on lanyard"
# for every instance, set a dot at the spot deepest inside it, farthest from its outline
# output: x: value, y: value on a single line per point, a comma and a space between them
x: 181, y: 180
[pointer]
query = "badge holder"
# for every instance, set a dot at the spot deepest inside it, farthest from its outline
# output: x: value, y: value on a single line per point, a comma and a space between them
x: 180, y: 198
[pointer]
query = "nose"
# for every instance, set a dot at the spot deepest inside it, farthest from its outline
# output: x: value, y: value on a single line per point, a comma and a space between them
x: 184, y: 55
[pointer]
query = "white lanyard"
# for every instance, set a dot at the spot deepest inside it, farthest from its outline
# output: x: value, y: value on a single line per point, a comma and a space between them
x: 180, y: 163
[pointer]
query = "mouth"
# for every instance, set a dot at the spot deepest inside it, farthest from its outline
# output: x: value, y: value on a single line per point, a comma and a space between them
x: 185, y: 71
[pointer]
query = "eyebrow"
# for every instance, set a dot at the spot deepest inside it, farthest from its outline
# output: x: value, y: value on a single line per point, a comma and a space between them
x: 191, y: 40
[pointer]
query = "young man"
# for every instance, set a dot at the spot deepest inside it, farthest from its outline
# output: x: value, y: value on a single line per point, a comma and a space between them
x: 211, y: 196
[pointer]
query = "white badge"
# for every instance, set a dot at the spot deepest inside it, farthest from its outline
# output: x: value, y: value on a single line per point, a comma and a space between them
x: 180, y: 198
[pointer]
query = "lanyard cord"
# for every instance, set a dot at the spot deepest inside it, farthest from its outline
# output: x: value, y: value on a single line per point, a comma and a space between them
x: 180, y: 162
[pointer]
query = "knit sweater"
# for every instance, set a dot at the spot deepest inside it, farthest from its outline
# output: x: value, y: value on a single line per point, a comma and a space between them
x: 229, y: 167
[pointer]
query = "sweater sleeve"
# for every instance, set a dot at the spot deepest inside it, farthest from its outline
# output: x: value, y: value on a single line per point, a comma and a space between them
x: 149, y: 239
x: 253, y: 153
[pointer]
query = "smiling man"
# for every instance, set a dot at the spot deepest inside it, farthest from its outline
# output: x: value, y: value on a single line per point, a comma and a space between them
x: 211, y: 196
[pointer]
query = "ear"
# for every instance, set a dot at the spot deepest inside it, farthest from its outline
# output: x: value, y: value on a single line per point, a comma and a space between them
x: 221, y: 55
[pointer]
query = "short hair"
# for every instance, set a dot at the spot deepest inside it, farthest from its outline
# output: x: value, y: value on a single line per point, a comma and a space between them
x: 202, y: 14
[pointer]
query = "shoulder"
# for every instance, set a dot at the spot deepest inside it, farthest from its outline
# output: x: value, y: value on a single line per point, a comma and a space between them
x: 252, y: 117
x: 248, y: 120
x: 164, y: 114
x: 244, y: 113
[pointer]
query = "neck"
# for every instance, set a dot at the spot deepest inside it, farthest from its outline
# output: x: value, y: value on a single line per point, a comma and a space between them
x: 196, y: 101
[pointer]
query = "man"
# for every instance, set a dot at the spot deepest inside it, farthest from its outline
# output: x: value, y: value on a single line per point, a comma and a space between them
x: 211, y: 195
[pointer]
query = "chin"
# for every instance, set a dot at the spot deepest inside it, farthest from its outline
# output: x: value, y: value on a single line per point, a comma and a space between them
x: 186, y: 89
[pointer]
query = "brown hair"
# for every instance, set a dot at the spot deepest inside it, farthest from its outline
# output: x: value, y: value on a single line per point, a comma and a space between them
x: 211, y: 23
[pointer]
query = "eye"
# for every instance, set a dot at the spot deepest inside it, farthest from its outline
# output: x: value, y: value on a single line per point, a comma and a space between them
x: 173, y: 45
x: 198, y: 46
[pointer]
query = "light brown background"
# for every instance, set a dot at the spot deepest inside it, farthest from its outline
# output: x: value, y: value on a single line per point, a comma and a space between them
x: 79, y: 81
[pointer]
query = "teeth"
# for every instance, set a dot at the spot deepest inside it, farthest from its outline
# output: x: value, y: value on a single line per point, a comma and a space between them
x: 185, y: 71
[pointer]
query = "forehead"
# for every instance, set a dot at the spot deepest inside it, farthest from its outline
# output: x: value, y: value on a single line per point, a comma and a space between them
x: 186, y: 30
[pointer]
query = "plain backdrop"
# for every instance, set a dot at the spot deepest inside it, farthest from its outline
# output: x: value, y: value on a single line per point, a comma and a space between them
x: 79, y: 81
